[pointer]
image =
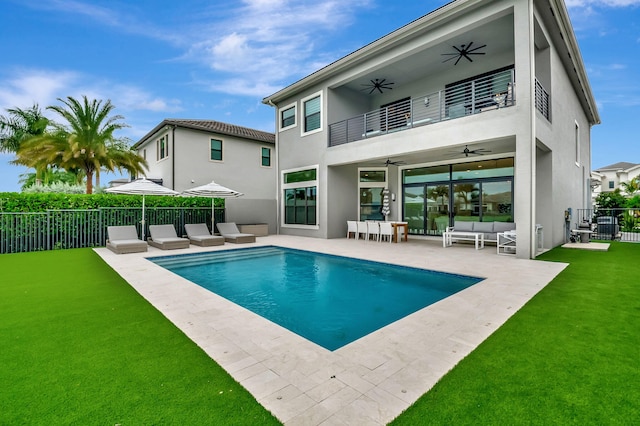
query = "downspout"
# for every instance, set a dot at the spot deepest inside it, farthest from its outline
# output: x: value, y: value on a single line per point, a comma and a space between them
x: 533, y: 246
x: 173, y: 158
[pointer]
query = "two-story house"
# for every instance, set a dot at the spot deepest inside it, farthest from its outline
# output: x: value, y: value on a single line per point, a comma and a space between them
x: 611, y: 177
x: 183, y: 154
x: 479, y: 110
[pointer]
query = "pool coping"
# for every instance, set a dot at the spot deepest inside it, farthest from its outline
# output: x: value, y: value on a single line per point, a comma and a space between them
x: 371, y: 380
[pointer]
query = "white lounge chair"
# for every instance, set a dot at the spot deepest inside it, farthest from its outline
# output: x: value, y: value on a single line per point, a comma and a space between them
x: 232, y: 234
x: 199, y: 235
x: 164, y: 237
x: 124, y: 239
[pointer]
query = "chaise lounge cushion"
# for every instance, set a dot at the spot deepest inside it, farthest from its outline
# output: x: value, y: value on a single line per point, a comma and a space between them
x: 231, y: 233
x: 463, y: 226
x: 124, y: 239
x: 164, y: 237
x: 199, y: 235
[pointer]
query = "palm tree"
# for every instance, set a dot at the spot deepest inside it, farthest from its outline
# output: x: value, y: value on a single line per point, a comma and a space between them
x: 86, y: 143
x: 20, y: 125
x: 632, y: 186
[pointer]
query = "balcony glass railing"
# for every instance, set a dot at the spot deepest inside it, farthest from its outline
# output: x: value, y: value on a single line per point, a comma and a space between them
x: 485, y: 93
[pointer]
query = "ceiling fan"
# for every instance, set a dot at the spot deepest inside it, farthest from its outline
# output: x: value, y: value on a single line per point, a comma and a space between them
x: 479, y: 151
x: 393, y: 163
x: 378, y: 85
x: 465, y: 51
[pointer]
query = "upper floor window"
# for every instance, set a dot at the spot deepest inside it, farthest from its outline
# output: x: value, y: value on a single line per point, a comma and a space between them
x: 288, y: 116
x: 216, y: 150
x: 312, y: 107
x: 265, y: 154
x: 612, y: 184
x: 162, y: 147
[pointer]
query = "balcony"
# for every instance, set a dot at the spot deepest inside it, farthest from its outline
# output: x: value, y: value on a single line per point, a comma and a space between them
x: 473, y: 96
x: 542, y: 100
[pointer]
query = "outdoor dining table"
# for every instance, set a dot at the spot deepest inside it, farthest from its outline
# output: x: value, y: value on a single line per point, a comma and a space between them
x: 396, y: 225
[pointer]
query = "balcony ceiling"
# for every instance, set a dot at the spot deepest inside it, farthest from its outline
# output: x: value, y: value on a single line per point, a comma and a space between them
x: 494, y: 149
x: 496, y: 34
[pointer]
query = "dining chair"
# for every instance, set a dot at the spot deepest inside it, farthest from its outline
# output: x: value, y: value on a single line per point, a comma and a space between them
x: 386, y: 230
x: 373, y: 230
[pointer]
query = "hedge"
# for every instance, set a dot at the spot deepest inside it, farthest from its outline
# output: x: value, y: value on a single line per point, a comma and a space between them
x: 18, y: 202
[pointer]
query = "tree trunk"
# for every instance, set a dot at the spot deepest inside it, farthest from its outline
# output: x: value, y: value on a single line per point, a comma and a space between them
x: 97, y: 178
x: 89, y: 182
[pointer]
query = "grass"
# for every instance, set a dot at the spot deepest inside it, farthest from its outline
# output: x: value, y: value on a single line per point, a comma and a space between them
x: 80, y: 346
x: 570, y: 356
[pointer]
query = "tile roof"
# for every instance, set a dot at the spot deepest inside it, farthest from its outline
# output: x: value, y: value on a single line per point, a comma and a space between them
x: 213, y: 126
x: 623, y: 165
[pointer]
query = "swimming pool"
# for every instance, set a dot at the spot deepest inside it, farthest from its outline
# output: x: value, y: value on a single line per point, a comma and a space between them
x: 329, y: 300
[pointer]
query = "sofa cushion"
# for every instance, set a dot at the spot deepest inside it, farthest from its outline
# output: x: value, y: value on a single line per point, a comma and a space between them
x: 483, y: 227
x: 503, y: 226
x: 463, y: 226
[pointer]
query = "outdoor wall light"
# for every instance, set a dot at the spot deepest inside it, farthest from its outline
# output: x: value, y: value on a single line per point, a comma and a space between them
x: 426, y: 102
x: 393, y: 196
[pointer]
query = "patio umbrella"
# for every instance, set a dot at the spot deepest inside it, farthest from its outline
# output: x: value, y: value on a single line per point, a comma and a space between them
x: 211, y: 190
x: 386, y: 206
x: 142, y: 187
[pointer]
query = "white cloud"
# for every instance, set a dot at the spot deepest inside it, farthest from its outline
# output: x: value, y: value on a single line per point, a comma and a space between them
x: 266, y: 42
x: 24, y: 87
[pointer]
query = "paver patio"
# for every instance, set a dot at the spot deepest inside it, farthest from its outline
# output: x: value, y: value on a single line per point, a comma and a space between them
x: 370, y: 381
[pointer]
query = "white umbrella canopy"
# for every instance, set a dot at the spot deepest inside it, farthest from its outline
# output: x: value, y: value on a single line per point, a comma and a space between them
x: 142, y: 187
x: 211, y: 190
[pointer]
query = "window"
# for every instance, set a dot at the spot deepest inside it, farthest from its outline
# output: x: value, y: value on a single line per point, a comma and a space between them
x: 612, y: 184
x: 288, y: 116
x: 312, y: 113
x: 216, y: 150
x: 300, y: 189
x: 266, y: 156
x: 144, y: 153
x: 371, y: 186
x: 162, y: 147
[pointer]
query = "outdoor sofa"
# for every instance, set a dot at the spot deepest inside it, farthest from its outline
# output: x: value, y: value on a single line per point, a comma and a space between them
x: 199, y: 235
x: 489, y: 230
x: 164, y: 237
x: 124, y: 239
x: 232, y: 234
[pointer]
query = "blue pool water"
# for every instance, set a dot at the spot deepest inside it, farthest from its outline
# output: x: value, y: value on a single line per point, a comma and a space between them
x: 330, y: 300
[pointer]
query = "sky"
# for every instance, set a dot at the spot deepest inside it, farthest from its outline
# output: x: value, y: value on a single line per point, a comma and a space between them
x: 207, y: 59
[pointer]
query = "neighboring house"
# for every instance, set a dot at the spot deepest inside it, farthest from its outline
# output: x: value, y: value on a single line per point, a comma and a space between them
x: 183, y: 154
x: 479, y: 110
x: 609, y: 178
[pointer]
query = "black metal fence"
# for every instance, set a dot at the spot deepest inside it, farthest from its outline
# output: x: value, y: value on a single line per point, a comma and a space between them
x: 611, y: 224
x: 63, y: 229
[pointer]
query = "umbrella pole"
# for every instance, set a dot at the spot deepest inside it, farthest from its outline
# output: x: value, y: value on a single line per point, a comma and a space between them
x: 213, y: 217
x: 142, y: 221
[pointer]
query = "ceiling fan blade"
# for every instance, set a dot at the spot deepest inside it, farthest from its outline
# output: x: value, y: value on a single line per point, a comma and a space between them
x: 458, y: 60
x: 454, y: 56
x: 476, y: 48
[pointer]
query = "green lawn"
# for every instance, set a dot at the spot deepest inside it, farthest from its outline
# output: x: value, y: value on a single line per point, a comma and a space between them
x: 80, y: 346
x: 570, y: 356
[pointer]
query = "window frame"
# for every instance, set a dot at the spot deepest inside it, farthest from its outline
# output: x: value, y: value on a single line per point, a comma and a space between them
x: 262, y: 157
x: 303, y: 131
x: 293, y: 106
x: 162, y: 152
x: 298, y: 185
x: 221, y: 150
